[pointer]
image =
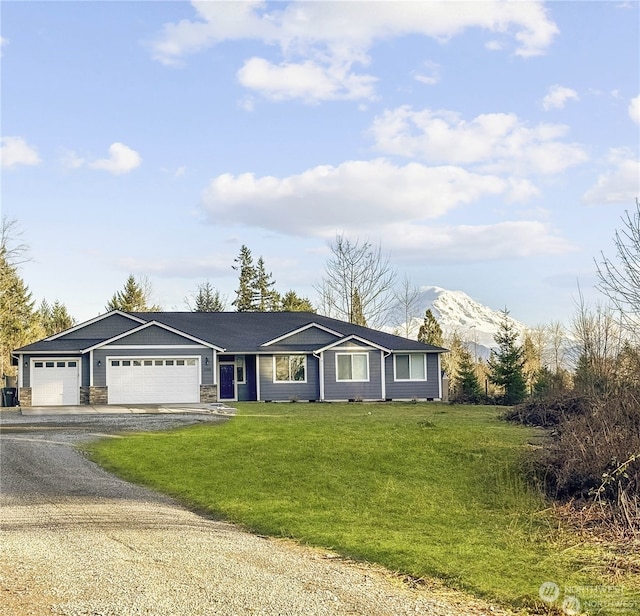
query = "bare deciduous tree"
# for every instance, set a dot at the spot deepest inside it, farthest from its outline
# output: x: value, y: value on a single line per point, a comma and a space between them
x: 406, y: 298
x: 358, y: 282
x: 620, y: 281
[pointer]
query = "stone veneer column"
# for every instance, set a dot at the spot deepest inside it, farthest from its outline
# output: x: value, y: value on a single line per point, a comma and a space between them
x: 24, y: 396
x: 208, y: 393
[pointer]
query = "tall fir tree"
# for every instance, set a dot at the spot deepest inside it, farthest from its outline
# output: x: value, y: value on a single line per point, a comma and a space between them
x: 430, y: 331
x: 207, y: 299
x: 292, y: 302
x: 466, y: 383
x: 506, y: 365
x: 54, y: 319
x: 19, y: 322
x: 357, y: 313
x: 246, y: 297
x: 268, y: 299
x: 134, y: 297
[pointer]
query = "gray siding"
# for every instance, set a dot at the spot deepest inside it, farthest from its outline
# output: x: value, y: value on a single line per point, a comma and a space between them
x: 312, y: 337
x: 154, y: 335
x: 287, y: 391
x: 108, y: 327
x: 351, y: 390
x: 406, y: 390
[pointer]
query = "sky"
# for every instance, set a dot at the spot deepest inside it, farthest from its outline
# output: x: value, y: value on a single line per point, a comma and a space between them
x: 489, y: 147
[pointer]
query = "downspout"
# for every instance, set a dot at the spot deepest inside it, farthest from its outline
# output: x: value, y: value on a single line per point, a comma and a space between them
x: 320, y: 359
x: 439, y: 377
x: 383, y: 372
x: 257, y: 377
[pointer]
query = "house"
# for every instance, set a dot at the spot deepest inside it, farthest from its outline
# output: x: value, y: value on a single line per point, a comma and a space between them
x: 194, y: 357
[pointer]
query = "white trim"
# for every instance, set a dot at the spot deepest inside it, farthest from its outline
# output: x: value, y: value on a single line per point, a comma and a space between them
x: 20, y: 371
x: 383, y: 375
x: 289, y: 355
x: 301, y: 329
x: 258, y: 378
x: 410, y: 380
x: 439, y: 377
x: 321, y: 374
x: 94, y: 320
x: 339, y: 380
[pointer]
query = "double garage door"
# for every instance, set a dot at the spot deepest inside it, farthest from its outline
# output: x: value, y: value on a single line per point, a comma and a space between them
x: 153, y: 380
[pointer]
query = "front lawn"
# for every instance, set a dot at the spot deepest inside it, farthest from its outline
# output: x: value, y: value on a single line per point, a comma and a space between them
x: 429, y: 490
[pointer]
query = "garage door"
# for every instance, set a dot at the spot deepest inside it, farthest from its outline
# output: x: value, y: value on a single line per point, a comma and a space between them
x: 55, y: 382
x: 153, y: 380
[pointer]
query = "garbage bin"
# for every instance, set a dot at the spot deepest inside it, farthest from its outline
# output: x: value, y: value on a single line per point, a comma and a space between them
x: 9, y: 396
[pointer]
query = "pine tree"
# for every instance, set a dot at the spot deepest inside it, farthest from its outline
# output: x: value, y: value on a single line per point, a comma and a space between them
x: 430, y: 331
x: 467, y: 385
x: 506, y: 365
x: 207, y: 299
x: 292, y: 302
x: 54, y: 319
x: 134, y: 297
x: 357, y: 313
x: 246, y: 300
x: 19, y: 323
x: 268, y: 297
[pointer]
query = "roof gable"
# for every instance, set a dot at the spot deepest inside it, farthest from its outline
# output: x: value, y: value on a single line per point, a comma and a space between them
x: 154, y: 333
x: 103, y: 326
x: 351, y: 342
x: 311, y: 334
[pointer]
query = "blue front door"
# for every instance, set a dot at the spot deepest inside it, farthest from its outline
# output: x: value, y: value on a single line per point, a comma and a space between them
x: 227, y: 382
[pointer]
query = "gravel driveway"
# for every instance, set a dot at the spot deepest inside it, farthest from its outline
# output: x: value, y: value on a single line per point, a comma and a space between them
x: 78, y: 541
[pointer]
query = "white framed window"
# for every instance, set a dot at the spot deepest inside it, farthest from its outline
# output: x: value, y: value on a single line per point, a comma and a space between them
x: 290, y: 368
x: 352, y: 366
x: 410, y: 367
x: 241, y: 376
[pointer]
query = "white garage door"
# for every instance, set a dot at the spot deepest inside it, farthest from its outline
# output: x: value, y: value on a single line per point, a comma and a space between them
x: 153, y: 380
x: 55, y: 382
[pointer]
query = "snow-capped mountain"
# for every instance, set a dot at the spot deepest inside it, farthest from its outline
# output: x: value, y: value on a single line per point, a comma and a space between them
x: 456, y: 312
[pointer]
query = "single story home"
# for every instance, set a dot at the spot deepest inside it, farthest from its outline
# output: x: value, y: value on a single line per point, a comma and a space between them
x: 201, y: 357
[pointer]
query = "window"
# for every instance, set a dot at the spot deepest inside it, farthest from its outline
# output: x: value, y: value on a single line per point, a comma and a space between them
x: 290, y: 368
x: 410, y: 367
x: 115, y: 363
x: 39, y: 364
x: 352, y: 366
x: 240, y: 373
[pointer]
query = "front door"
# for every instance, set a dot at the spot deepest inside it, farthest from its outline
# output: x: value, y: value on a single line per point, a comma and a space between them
x: 227, y: 382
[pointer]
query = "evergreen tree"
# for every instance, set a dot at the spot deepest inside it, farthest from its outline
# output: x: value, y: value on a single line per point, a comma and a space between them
x: 357, y: 314
x: 246, y: 296
x: 506, y: 365
x: 54, y: 319
x: 268, y: 298
x: 467, y: 385
x: 134, y: 297
x: 292, y: 302
x: 430, y: 331
x: 19, y: 323
x: 207, y: 299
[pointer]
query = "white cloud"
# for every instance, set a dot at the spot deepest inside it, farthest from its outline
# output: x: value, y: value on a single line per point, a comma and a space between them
x: 474, y: 243
x: 122, y: 159
x: 634, y: 109
x: 620, y: 184
x: 16, y: 151
x: 430, y: 75
x: 356, y: 195
x: 3, y: 42
x: 308, y: 81
x: 329, y: 41
x: 495, y: 141
x: 557, y: 97
x: 70, y: 160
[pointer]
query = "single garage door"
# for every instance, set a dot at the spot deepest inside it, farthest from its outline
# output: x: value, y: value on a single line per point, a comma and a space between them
x: 55, y: 382
x: 153, y: 380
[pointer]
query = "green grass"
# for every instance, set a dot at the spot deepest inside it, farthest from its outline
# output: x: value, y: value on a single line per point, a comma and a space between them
x: 428, y: 490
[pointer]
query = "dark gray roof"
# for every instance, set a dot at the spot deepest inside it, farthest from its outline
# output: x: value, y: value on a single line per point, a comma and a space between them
x: 248, y: 331
x: 244, y: 332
